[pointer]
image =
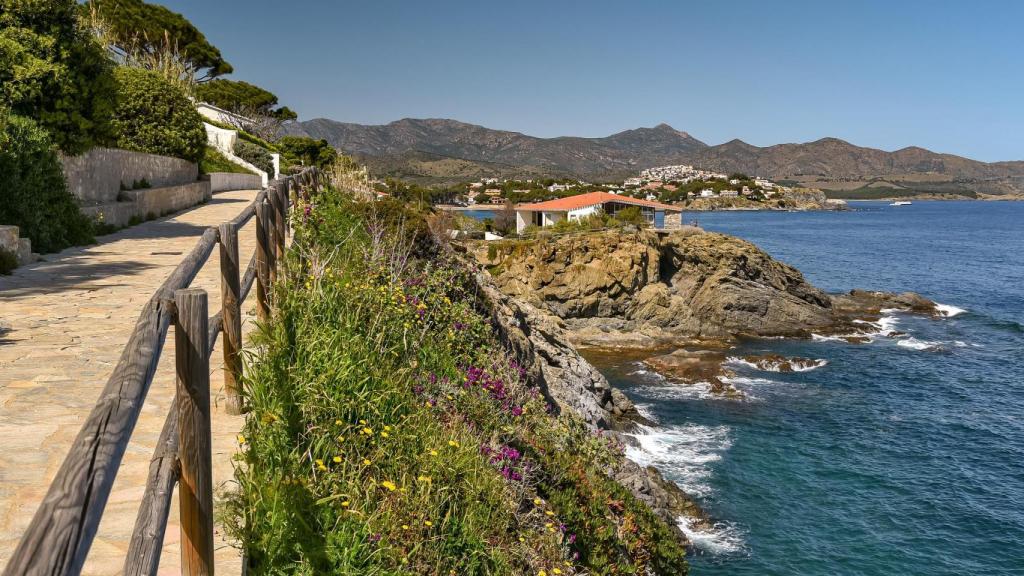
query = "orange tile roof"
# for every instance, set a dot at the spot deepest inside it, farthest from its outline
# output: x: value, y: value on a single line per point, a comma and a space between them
x: 591, y: 199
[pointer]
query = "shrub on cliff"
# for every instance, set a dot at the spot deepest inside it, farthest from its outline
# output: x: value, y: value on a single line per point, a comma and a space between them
x: 255, y: 155
x: 389, y: 432
x: 153, y: 115
x: 33, y: 193
x: 53, y: 71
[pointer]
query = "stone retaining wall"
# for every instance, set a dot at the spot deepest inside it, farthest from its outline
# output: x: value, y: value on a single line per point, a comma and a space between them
x: 223, y: 181
x: 98, y: 176
x: 20, y: 247
x: 150, y: 203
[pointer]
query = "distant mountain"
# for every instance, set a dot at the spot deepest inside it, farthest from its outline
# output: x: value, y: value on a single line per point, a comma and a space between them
x: 447, y: 150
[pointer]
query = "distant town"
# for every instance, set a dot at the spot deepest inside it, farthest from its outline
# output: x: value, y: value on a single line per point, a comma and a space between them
x: 666, y: 184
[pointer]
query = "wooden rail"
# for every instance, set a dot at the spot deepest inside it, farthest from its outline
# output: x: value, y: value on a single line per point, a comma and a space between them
x: 58, y: 539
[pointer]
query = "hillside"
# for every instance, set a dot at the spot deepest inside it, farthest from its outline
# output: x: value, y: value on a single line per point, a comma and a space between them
x: 437, y: 150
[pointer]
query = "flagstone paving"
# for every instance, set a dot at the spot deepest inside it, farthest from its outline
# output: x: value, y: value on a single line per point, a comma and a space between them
x: 63, y: 324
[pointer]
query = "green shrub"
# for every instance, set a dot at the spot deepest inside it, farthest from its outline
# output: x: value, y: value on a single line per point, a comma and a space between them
x: 8, y: 261
x: 255, y: 155
x: 214, y: 161
x: 33, y: 193
x: 632, y: 215
x: 53, y: 71
x: 153, y: 115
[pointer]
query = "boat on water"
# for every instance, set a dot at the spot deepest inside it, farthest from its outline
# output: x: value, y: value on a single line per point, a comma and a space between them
x: 901, y: 203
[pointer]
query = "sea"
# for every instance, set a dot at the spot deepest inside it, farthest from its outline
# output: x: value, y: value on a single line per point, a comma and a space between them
x: 904, y: 455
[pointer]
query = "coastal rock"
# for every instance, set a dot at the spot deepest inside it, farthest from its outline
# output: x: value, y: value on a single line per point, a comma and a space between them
x: 642, y: 288
x: 694, y: 366
x: 780, y: 363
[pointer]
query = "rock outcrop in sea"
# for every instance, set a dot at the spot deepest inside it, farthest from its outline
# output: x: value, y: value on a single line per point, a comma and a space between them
x: 641, y: 288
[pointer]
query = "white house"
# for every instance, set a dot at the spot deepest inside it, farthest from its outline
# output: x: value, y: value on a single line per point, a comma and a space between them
x: 575, y: 207
x: 707, y: 193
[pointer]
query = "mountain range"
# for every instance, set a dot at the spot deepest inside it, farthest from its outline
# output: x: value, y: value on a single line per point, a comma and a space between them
x: 442, y: 150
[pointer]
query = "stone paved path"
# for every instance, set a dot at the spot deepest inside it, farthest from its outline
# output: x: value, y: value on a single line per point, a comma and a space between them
x: 63, y: 324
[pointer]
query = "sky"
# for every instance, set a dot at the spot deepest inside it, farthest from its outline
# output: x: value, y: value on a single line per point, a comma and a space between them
x: 944, y: 75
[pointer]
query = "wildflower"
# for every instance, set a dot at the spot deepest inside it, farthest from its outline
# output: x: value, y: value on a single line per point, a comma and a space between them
x: 374, y: 538
x: 384, y: 434
x: 542, y: 573
x: 320, y: 465
x: 548, y: 524
x: 453, y: 443
x: 241, y: 439
x: 433, y: 452
x: 367, y: 431
x: 405, y: 526
x: 549, y: 513
x: 387, y: 428
x: 424, y: 479
x: 341, y: 438
x: 337, y: 422
x: 337, y: 459
x: 366, y: 462
x: 345, y: 504
x: 428, y: 523
x: 389, y: 485
x: 537, y: 502
x: 556, y: 571
x: 363, y: 422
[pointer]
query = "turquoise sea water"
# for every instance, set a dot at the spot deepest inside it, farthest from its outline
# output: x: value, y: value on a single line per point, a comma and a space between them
x: 901, y: 456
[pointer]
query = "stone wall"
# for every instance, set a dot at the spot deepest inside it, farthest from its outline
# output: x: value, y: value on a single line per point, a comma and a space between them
x: 10, y: 241
x: 150, y: 203
x: 223, y: 181
x: 98, y: 176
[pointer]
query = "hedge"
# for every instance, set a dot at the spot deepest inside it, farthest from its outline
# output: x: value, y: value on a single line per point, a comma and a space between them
x: 33, y: 193
x: 155, y: 116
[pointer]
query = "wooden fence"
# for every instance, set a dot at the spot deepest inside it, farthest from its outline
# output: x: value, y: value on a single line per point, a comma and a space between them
x: 62, y: 530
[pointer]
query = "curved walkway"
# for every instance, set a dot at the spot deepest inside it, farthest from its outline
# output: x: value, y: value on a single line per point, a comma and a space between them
x: 63, y: 323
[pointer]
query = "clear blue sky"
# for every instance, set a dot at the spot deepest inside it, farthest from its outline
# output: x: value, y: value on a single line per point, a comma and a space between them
x: 945, y: 75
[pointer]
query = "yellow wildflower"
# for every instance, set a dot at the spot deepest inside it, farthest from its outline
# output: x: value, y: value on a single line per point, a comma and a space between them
x: 433, y: 452
x: 556, y: 571
x: 366, y: 462
x: 345, y: 504
x: 537, y: 502
x: 337, y: 422
x: 424, y: 479
x: 428, y: 523
x: 550, y: 513
x: 405, y: 526
x: 320, y: 465
x: 363, y: 422
x: 453, y: 443
x: 387, y: 428
x: 367, y: 431
x: 389, y: 485
x: 241, y: 439
x: 384, y: 435
x: 337, y: 459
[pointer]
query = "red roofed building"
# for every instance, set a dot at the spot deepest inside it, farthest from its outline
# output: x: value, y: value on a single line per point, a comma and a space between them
x: 577, y: 207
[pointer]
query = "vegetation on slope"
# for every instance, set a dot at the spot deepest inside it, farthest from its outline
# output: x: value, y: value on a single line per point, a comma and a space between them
x: 389, y: 432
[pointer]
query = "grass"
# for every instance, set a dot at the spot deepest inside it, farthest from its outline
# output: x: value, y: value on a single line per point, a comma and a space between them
x: 214, y: 161
x: 388, y: 432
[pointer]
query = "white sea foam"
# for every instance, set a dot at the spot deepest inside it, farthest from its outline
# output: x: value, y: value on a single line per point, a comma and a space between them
x: 915, y: 344
x: 769, y: 366
x: 949, y: 311
x: 682, y: 452
x: 645, y: 411
x: 720, y: 538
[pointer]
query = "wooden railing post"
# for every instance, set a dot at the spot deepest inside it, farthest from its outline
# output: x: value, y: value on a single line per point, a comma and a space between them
x: 195, y: 488
x: 262, y: 261
x: 231, y: 316
x: 279, y: 218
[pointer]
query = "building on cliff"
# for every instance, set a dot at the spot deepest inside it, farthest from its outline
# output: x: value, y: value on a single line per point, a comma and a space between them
x: 576, y: 207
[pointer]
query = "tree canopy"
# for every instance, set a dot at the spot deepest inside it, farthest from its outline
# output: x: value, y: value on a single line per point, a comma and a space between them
x: 53, y: 70
x: 242, y: 98
x: 150, y: 28
x: 308, y: 151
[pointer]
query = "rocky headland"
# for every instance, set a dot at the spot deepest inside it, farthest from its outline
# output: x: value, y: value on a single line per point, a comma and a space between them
x: 800, y: 199
x: 681, y: 298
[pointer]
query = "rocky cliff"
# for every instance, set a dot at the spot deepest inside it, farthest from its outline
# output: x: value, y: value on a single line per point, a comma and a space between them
x: 640, y: 287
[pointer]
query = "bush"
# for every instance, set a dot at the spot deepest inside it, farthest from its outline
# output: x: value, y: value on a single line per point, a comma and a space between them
x: 54, y: 71
x: 632, y: 215
x: 214, y: 161
x: 33, y: 194
x: 255, y: 155
x: 8, y: 261
x: 153, y: 115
